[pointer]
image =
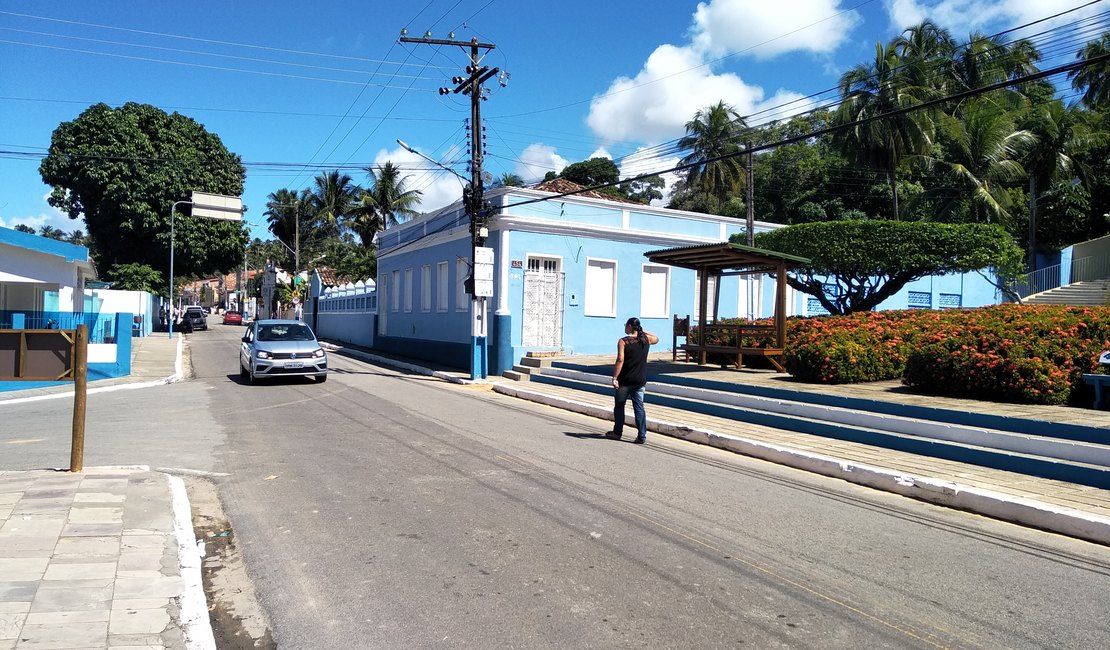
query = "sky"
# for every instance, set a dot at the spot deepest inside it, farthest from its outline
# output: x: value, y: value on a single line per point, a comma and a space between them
x: 298, y: 88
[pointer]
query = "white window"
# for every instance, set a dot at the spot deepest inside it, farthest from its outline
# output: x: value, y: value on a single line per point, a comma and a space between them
x: 408, y: 290
x: 443, y: 286
x: 601, y: 287
x: 462, y: 298
x: 395, y: 302
x: 426, y: 288
x: 655, y: 282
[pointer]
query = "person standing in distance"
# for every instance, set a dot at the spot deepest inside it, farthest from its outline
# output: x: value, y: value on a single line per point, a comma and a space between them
x: 629, y: 378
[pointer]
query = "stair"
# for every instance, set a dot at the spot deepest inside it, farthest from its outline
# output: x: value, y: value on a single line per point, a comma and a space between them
x: 1072, y: 453
x: 530, y: 363
x: 1093, y: 293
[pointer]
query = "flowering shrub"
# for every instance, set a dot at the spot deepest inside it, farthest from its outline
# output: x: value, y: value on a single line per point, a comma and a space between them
x: 1018, y: 353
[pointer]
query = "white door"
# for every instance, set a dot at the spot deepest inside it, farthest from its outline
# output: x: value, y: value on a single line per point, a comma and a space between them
x: 543, y: 303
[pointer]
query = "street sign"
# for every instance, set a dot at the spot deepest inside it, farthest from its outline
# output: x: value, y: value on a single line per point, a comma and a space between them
x: 483, y: 272
x: 217, y: 206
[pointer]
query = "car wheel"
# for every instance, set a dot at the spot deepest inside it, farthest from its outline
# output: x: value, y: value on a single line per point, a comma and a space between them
x: 321, y: 379
x: 253, y: 379
x: 243, y: 371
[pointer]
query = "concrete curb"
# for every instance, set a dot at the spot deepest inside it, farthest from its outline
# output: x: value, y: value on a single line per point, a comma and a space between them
x: 400, y: 365
x: 1029, y: 512
x: 195, y: 624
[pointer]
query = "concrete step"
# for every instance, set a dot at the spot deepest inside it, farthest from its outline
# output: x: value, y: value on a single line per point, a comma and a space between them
x: 515, y: 375
x: 1086, y: 463
x: 537, y: 362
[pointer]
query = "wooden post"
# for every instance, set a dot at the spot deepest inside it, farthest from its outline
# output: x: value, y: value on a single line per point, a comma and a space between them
x: 780, y: 305
x: 80, y: 379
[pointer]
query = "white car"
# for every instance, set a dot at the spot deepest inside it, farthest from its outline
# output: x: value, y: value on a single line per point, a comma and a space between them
x: 281, y: 348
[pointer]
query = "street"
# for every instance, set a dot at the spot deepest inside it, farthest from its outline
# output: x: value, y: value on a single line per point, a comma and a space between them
x: 384, y: 510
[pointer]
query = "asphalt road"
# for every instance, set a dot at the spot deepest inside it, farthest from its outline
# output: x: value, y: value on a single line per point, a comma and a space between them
x: 381, y: 510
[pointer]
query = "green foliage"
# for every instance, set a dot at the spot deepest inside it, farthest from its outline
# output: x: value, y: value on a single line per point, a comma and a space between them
x: 123, y: 168
x: 595, y: 171
x: 644, y: 190
x: 137, y: 277
x: 870, y: 261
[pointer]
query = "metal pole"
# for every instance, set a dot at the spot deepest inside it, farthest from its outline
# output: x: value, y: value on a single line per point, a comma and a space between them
x: 170, y: 312
x: 297, y: 252
x: 80, y: 381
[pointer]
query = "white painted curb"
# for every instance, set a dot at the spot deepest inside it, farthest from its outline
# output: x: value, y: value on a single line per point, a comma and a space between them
x: 195, y: 623
x: 1029, y: 512
x: 401, y: 365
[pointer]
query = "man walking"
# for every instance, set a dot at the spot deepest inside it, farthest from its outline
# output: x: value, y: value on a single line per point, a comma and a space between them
x: 629, y: 378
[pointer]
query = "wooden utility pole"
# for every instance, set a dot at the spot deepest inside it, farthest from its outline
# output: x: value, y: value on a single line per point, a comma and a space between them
x: 80, y: 382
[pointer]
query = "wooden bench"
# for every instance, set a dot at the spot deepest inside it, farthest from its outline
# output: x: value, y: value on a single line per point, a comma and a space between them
x: 1099, y: 382
x: 734, y: 333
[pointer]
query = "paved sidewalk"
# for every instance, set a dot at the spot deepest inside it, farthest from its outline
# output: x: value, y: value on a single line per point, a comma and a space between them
x: 105, y: 558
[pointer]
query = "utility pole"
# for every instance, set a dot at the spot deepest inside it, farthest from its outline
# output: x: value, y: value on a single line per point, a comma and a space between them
x: 478, y: 285
x: 750, y: 201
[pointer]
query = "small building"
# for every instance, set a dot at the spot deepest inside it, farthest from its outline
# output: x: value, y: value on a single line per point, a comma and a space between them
x: 41, y: 277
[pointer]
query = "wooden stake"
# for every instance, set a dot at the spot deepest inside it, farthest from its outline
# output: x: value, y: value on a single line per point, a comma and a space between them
x: 80, y: 379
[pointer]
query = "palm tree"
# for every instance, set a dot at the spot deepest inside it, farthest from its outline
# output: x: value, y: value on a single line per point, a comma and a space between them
x: 509, y: 179
x: 1057, y: 130
x: 985, y: 60
x: 1094, y: 78
x: 387, y: 203
x: 713, y: 138
x: 333, y: 198
x: 981, y: 160
x: 283, y: 210
x: 869, y: 92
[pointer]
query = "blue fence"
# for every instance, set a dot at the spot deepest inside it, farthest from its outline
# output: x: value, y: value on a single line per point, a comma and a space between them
x: 102, y: 327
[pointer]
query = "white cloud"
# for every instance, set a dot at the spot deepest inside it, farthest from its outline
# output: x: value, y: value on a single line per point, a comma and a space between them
x: 673, y: 85
x: 48, y: 216
x: 965, y: 16
x: 438, y: 188
x: 600, y: 152
x: 538, y: 159
x: 768, y: 29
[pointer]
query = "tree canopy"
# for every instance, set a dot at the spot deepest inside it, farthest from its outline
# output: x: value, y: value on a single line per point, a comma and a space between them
x: 870, y: 261
x: 121, y: 169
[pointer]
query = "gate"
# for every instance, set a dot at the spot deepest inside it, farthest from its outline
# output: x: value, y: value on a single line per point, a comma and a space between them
x: 543, y: 304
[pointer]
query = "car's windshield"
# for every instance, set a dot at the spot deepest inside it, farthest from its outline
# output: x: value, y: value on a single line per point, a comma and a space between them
x: 285, y: 332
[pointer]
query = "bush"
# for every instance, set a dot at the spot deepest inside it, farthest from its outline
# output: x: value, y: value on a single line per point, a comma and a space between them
x: 1016, y: 353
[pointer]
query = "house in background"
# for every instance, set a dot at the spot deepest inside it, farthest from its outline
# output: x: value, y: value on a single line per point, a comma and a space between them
x: 568, y: 271
x: 41, y: 278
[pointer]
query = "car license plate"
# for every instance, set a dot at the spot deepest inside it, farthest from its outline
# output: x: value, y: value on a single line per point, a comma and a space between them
x: 294, y: 364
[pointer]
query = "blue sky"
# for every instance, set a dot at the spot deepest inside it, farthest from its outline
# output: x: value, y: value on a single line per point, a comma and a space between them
x: 295, y: 88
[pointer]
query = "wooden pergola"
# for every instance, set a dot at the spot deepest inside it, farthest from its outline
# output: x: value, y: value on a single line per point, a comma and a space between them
x: 728, y: 259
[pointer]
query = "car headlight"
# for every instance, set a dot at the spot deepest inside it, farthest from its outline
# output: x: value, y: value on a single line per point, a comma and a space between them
x: 262, y: 354
x: 319, y: 353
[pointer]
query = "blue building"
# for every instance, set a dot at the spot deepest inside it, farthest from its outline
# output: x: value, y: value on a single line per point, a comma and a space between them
x: 568, y: 271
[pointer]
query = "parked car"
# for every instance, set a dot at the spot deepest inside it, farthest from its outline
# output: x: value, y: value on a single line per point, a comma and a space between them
x: 233, y: 318
x: 281, y: 348
x: 196, y: 316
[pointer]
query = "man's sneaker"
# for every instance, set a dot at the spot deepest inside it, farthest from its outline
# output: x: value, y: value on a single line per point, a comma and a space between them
x: 639, y: 441
x: 612, y: 435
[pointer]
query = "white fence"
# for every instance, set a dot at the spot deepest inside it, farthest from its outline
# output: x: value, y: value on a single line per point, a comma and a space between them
x: 346, y: 313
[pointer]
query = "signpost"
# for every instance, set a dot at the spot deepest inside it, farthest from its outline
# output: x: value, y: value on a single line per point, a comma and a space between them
x: 208, y: 206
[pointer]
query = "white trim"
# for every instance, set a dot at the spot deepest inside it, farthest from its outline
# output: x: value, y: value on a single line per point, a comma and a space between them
x: 462, y: 298
x: 503, y: 273
x: 443, y: 287
x: 408, y: 290
x: 426, y: 288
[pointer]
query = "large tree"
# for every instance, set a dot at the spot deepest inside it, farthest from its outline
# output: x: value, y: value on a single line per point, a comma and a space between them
x: 873, y: 136
x: 385, y: 204
x: 713, y: 140
x: 870, y: 261
x: 334, y: 197
x: 121, y: 169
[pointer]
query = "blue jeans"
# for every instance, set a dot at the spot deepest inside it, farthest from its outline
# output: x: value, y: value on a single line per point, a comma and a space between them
x: 621, y: 396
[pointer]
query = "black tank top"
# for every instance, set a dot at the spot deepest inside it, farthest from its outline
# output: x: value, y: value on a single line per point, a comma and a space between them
x: 634, y: 370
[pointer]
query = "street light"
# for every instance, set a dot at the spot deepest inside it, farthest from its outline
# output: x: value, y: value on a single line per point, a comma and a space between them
x: 208, y: 206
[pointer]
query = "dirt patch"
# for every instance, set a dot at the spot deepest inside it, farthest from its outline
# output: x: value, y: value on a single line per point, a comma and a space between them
x: 238, y: 620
